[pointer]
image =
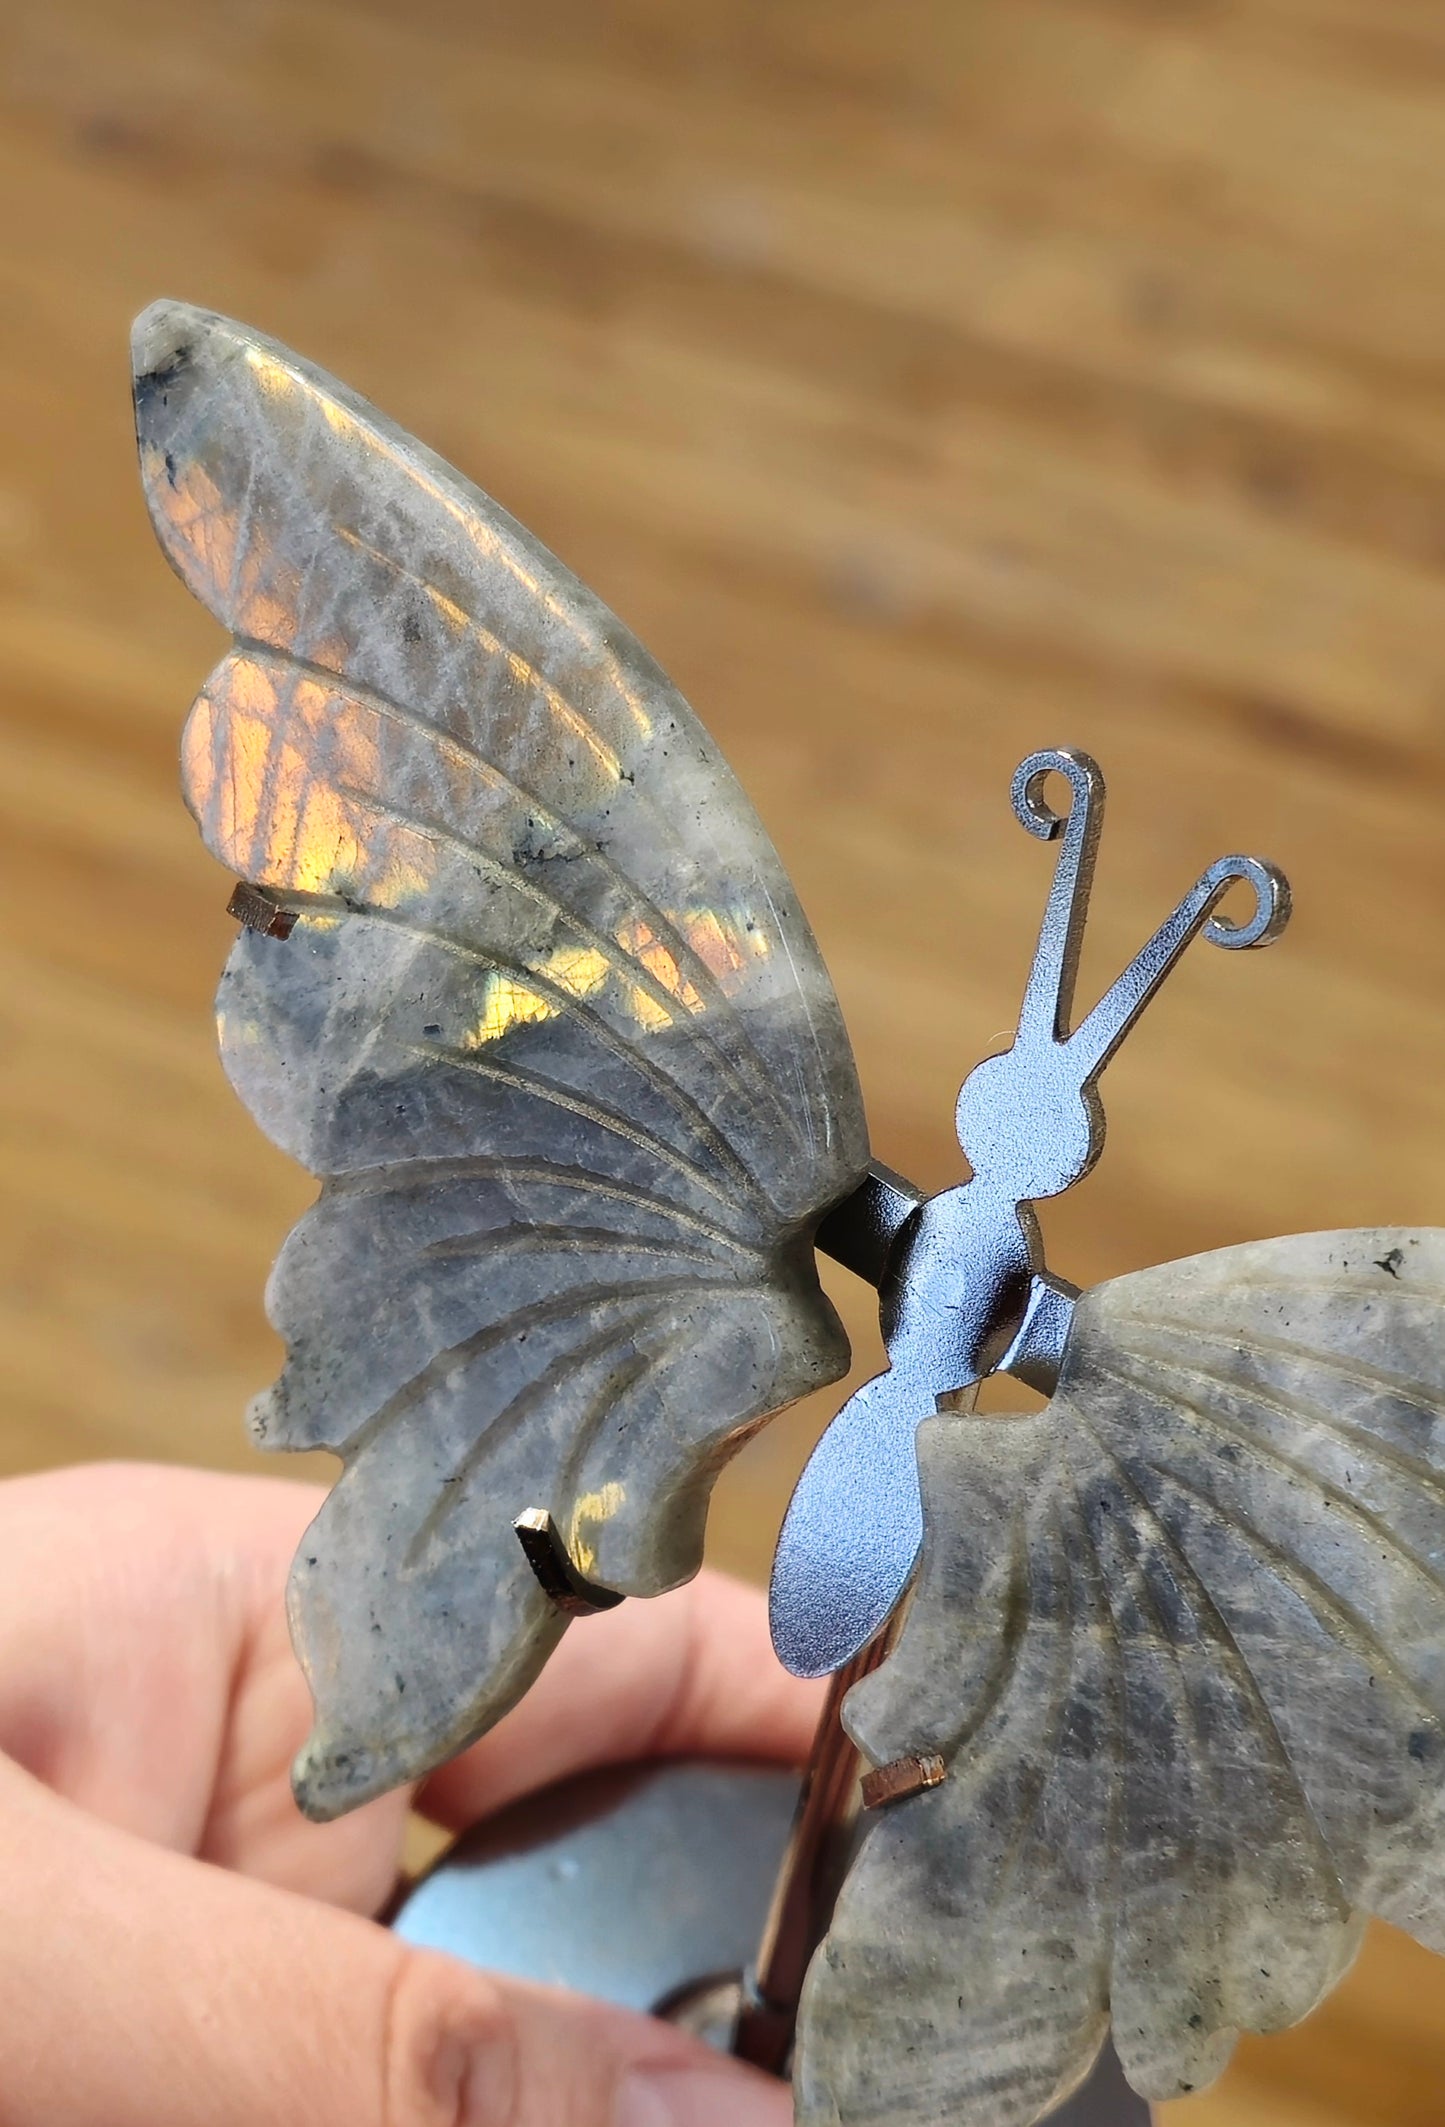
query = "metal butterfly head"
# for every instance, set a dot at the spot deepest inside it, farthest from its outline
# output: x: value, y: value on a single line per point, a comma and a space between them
x: 523, y: 982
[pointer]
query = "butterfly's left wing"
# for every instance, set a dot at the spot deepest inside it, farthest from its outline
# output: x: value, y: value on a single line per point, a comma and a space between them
x: 549, y: 1025
x: 1180, y: 1639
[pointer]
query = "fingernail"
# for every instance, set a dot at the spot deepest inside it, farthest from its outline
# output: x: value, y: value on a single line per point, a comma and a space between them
x: 703, y: 2097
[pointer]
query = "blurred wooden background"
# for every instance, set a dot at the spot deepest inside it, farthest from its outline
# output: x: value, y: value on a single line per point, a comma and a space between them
x: 926, y: 383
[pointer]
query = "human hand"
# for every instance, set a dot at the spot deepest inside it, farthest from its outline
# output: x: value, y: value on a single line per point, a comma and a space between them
x: 179, y: 1948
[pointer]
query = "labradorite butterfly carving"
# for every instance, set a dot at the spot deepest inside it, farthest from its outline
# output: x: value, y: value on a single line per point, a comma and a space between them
x: 527, y: 988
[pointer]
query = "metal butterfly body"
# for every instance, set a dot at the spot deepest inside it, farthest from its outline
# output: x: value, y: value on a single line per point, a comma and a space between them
x: 528, y: 989
x: 965, y: 1292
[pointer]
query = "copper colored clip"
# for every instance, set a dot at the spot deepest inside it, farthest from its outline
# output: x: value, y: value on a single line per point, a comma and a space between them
x: 255, y: 909
x: 901, y: 1778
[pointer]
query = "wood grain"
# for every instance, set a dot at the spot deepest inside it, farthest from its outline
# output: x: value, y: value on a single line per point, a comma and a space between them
x: 926, y: 384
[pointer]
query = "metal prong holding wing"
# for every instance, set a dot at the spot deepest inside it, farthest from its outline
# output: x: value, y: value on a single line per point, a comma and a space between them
x: 1179, y: 1638
x: 527, y: 987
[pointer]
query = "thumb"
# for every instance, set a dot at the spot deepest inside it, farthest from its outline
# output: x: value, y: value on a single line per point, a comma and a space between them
x: 148, y: 1990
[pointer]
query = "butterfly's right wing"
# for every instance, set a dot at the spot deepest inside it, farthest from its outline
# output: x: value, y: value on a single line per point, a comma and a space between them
x: 1179, y: 1638
x: 550, y: 1025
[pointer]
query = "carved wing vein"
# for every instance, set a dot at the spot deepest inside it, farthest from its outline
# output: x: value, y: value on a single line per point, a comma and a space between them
x: 548, y: 1386
x: 684, y: 954
x: 1415, y: 1395
x: 629, y: 965
x: 488, y: 1242
x: 1112, y: 1648
x: 1205, y: 1411
x: 1216, y: 1633
x: 532, y: 1084
x: 409, y: 1175
x: 1301, y: 1581
x: 1052, y: 1712
x: 536, y: 1314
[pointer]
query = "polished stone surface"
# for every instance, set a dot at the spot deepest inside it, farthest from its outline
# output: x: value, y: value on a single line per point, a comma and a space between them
x: 551, y: 1028
x: 1180, y: 1637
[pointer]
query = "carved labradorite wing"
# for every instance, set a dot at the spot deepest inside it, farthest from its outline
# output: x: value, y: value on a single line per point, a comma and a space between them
x: 1180, y: 1638
x: 550, y: 1027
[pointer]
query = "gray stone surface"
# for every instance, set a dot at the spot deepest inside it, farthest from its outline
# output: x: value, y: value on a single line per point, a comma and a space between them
x: 1180, y: 1637
x: 551, y: 1027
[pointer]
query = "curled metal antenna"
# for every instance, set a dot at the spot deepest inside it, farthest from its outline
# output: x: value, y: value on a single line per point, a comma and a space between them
x: 1049, y: 997
x: 1119, y: 1008
x: 1272, y: 904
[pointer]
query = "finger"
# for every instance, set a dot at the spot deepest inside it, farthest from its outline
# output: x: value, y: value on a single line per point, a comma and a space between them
x: 131, y: 1600
x: 691, y: 1674
x: 146, y: 1672
x: 145, y: 1989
